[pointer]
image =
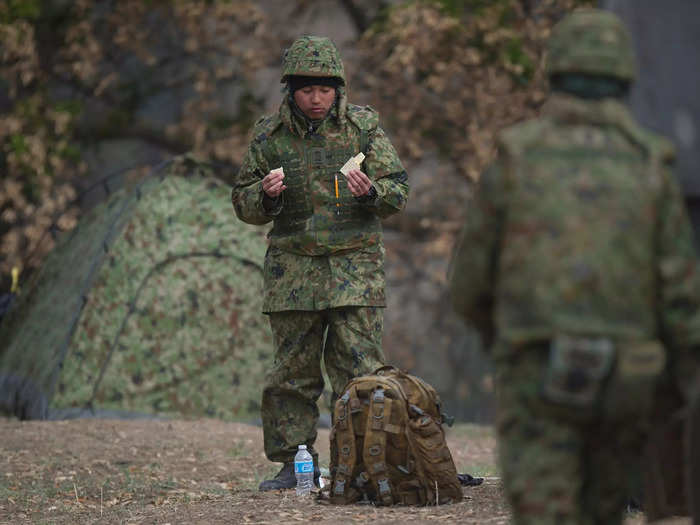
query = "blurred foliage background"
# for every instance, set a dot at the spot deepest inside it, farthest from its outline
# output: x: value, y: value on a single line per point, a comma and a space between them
x: 90, y: 88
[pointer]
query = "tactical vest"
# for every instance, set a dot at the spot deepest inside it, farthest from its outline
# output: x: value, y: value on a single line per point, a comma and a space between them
x: 314, y: 220
x: 583, y: 201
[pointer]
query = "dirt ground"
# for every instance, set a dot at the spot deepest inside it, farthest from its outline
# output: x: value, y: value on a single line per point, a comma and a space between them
x: 200, y: 472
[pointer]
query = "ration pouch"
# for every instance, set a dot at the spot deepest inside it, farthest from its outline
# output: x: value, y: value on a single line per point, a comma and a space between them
x: 577, y: 370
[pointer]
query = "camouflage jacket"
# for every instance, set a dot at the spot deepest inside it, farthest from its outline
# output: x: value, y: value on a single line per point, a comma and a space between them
x: 579, y: 226
x: 326, y: 250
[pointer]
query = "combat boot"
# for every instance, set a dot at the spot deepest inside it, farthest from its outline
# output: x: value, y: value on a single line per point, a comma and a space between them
x: 285, y: 478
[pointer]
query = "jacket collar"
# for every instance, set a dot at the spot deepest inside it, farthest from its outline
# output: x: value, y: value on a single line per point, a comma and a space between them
x: 564, y: 108
x: 300, y: 124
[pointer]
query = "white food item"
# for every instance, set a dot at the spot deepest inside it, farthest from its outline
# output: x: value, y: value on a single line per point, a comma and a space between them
x: 353, y: 163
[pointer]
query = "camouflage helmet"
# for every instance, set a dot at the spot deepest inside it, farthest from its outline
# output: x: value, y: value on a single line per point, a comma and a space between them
x: 594, y: 42
x: 313, y: 56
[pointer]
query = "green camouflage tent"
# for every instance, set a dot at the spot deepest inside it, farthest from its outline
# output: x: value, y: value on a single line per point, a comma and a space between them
x: 151, y: 305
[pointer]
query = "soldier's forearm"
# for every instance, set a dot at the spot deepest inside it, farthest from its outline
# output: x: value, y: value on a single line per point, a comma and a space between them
x: 248, y: 204
x: 392, y: 194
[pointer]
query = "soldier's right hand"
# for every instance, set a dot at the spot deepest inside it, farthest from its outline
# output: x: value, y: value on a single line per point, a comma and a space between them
x: 273, y: 183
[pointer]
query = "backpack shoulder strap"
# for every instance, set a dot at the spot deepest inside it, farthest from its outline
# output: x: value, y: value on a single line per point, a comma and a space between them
x: 374, y: 453
x: 341, y: 491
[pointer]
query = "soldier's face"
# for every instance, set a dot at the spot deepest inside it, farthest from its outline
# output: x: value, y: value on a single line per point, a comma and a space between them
x: 315, y: 101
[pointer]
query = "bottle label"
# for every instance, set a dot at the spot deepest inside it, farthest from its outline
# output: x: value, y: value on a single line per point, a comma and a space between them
x: 301, y: 467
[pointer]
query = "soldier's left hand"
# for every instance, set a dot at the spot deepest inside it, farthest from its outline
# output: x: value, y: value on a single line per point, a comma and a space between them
x: 358, y: 182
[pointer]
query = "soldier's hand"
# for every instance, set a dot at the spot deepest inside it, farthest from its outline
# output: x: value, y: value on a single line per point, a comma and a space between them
x: 358, y: 182
x: 273, y: 183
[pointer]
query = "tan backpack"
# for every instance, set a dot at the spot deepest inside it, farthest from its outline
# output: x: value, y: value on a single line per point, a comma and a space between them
x: 388, y: 445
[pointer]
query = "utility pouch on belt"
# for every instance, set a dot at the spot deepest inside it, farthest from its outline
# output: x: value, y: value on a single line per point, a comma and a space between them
x: 577, y: 370
x: 631, y: 387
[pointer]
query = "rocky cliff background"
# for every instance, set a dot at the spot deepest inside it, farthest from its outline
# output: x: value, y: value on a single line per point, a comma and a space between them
x: 90, y: 88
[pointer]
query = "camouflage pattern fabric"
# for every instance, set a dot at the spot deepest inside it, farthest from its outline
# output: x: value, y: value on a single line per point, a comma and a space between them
x: 325, y: 261
x: 194, y: 286
x: 593, y: 42
x: 313, y: 56
x: 557, y: 470
x: 353, y: 347
x: 151, y: 305
x: 317, y: 283
x: 579, y: 229
x: 309, y: 220
x: 661, y: 484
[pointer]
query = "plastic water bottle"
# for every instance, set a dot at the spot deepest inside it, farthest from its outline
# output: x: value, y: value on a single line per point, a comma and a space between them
x: 304, y: 471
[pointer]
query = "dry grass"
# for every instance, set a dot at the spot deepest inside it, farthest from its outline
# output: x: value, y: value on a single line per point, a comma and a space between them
x: 205, y: 471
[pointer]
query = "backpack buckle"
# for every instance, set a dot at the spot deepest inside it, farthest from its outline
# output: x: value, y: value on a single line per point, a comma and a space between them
x: 448, y: 420
x: 355, y: 406
x: 361, y: 479
x: 374, y: 450
x: 416, y: 410
x: 339, y: 488
x: 378, y: 396
x: 384, y: 491
x: 384, y: 487
x: 341, y: 415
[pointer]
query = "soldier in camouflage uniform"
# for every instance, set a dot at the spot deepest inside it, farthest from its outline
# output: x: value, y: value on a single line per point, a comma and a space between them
x: 576, y: 265
x: 324, y: 268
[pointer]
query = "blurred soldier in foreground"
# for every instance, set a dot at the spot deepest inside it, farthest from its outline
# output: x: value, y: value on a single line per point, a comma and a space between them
x: 324, y: 269
x: 576, y: 264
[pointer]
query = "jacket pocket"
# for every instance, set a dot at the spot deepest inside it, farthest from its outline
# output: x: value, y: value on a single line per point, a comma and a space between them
x: 577, y: 370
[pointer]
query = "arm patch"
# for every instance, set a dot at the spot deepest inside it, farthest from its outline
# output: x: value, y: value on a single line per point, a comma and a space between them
x: 364, y: 117
x: 265, y: 126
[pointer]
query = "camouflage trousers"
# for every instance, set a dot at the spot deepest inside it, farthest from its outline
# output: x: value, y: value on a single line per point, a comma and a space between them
x: 558, y: 469
x: 353, y: 347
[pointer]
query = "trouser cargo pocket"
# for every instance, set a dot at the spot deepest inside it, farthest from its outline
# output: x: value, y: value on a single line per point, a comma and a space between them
x: 638, y: 367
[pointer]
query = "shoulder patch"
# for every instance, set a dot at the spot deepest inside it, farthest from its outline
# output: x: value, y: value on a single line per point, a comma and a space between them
x: 364, y: 117
x: 265, y: 126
